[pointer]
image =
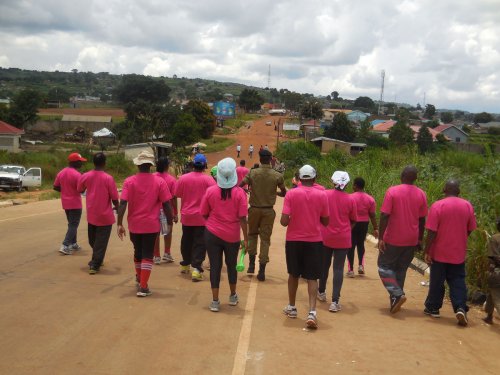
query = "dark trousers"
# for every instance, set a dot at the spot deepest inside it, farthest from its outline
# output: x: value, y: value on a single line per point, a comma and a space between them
x: 73, y: 216
x: 217, y: 247
x: 193, y: 246
x: 339, y: 256
x: 392, y: 266
x: 358, y: 236
x: 454, y: 275
x: 98, y: 240
x: 144, y: 245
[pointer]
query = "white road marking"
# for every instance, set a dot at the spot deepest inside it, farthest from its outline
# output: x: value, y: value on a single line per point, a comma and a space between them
x: 25, y: 216
x: 240, y: 358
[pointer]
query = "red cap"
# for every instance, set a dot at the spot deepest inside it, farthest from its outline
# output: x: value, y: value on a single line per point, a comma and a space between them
x: 75, y: 156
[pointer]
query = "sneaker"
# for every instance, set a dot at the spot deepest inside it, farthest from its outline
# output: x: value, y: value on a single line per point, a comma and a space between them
x: 321, y: 296
x: 75, y: 247
x: 361, y: 270
x: 350, y: 273
x: 144, y: 292
x: 396, y: 303
x: 290, y: 311
x: 167, y: 257
x: 214, y: 306
x: 65, y: 250
x: 334, y: 307
x: 462, y: 317
x: 156, y: 260
x: 311, y: 321
x: 433, y: 313
x: 93, y: 271
x: 233, y: 299
x: 185, y: 269
x: 196, y: 275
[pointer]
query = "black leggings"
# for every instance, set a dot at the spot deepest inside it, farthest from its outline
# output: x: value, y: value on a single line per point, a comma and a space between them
x: 358, y: 236
x: 215, y: 248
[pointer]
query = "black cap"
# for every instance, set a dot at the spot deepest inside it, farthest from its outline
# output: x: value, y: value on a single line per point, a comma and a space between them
x: 265, y: 153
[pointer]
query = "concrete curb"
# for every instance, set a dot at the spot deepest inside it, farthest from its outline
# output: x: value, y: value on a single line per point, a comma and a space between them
x: 6, y: 204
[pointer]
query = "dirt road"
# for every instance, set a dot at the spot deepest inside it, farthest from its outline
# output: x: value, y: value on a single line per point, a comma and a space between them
x: 57, y: 319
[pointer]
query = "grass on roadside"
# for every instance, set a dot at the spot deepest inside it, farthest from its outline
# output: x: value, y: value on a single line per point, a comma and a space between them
x: 216, y: 144
x: 240, y: 120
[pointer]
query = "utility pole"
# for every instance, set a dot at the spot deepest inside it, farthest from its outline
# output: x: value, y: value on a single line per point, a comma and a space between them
x: 382, y: 74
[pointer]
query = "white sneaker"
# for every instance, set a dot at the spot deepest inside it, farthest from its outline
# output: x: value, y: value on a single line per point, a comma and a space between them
x: 321, y: 296
x: 334, y: 307
x: 156, y: 260
x: 350, y: 274
x: 75, y: 247
x: 167, y: 257
x: 214, y: 306
x: 66, y: 250
x: 290, y: 311
x: 233, y: 299
x: 361, y: 269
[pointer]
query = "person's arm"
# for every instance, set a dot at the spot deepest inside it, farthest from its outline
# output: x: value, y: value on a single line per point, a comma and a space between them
x: 57, y: 188
x: 285, y: 220
x: 244, y: 229
x: 384, y: 219
x: 119, y: 222
x: 373, y: 219
x: 167, y: 209
x: 175, y: 209
x: 421, y: 229
x: 324, y: 220
x: 431, y: 235
x: 115, y: 204
x: 282, y: 188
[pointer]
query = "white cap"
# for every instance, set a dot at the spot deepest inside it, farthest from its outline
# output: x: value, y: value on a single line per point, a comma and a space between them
x: 307, y: 172
x: 340, y: 179
x: 144, y: 158
x: 226, y: 173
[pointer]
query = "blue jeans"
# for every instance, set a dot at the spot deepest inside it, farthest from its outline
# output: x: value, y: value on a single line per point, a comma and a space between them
x: 73, y: 216
x: 339, y: 256
x: 454, y: 275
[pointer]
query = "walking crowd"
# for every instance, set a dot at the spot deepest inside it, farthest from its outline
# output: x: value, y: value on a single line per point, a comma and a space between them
x: 324, y: 227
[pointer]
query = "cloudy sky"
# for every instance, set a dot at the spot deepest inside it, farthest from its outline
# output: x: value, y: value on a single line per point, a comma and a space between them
x: 447, y: 49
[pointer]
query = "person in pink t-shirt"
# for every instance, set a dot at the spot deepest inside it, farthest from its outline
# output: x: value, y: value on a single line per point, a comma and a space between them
x: 449, y: 224
x: 162, y: 172
x: 101, y: 192
x: 242, y: 171
x: 402, y: 221
x: 303, y: 210
x: 366, y: 206
x: 225, y: 209
x: 144, y: 194
x: 66, y: 183
x: 337, y: 237
x: 191, y: 188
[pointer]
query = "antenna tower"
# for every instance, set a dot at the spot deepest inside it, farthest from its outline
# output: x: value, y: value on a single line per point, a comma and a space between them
x: 382, y: 75
x: 269, y: 78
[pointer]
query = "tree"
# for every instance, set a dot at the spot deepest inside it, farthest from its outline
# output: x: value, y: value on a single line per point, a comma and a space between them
x: 203, y: 115
x: 335, y: 95
x: 419, y: 107
x: 364, y: 102
x: 433, y: 124
x: 58, y: 94
x: 446, y: 117
x: 134, y: 87
x: 424, y: 139
x: 430, y: 111
x: 483, y: 117
x: 311, y: 110
x: 341, y: 129
x: 24, y: 107
x: 250, y: 100
x: 401, y: 134
x: 185, y: 131
x: 364, y: 130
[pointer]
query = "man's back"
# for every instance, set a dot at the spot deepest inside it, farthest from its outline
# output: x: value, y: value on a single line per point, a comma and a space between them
x: 263, y: 183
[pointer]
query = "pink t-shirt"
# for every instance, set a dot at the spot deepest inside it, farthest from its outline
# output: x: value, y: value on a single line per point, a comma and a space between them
x: 241, y: 172
x: 305, y: 207
x: 191, y: 188
x: 68, y: 179
x: 315, y: 185
x: 171, y: 182
x: 365, y: 205
x: 342, y: 207
x: 101, y: 190
x: 405, y: 204
x: 451, y: 218
x: 224, y: 215
x: 145, y: 193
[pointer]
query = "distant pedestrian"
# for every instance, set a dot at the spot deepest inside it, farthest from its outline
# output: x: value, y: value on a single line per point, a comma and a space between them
x: 402, y: 222
x: 493, y: 298
x: 101, y: 192
x: 242, y: 171
x: 450, y: 222
x: 190, y: 189
x: 336, y: 237
x: 261, y: 148
x: 143, y: 194
x: 238, y: 150
x: 263, y: 183
x: 162, y: 165
x: 366, y: 206
x: 66, y: 183
x: 266, y: 147
x: 225, y: 209
x: 250, y: 151
x: 305, y: 210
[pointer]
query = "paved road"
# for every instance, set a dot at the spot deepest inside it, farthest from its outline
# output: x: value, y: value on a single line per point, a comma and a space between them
x: 57, y: 319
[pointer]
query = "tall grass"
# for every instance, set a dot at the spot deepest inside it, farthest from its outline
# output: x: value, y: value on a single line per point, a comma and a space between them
x: 479, y: 177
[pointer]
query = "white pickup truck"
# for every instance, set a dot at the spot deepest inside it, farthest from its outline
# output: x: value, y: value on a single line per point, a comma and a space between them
x: 16, y: 177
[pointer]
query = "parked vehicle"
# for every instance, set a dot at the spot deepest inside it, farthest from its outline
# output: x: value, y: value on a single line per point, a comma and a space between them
x: 269, y: 123
x: 16, y: 177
